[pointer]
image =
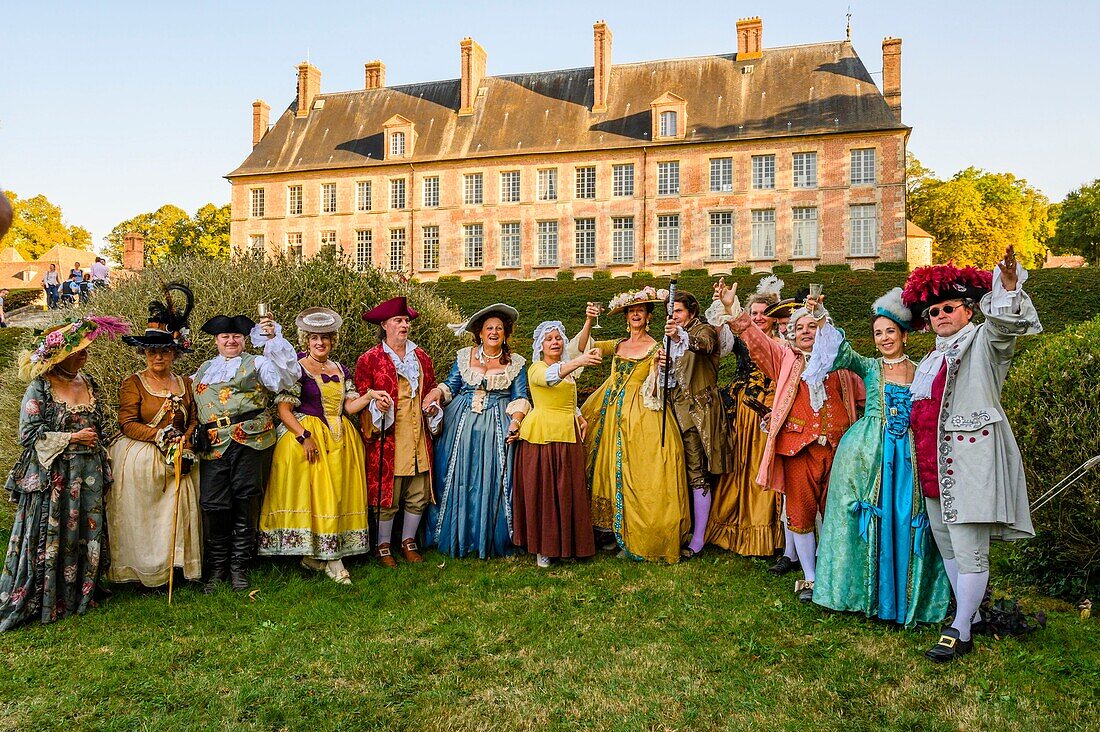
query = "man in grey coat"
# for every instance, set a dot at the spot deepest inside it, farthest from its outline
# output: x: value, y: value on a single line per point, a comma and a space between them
x: 968, y: 463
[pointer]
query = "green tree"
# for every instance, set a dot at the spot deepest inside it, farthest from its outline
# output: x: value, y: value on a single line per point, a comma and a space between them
x: 169, y: 231
x: 976, y: 214
x: 38, y: 226
x: 208, y: 233
x: 1078, y: 223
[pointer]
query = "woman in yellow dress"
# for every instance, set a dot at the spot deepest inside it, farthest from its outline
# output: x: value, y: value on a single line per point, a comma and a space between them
x: 315, y: 506
x: 639, y: 488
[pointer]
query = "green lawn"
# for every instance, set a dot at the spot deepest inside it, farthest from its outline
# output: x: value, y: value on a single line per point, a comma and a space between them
x: 606, y: 644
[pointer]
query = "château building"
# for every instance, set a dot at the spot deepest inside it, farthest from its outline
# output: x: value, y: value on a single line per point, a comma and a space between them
x: 765, y: 156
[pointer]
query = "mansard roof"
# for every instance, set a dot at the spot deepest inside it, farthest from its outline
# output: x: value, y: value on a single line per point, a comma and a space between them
x: 821, y: 88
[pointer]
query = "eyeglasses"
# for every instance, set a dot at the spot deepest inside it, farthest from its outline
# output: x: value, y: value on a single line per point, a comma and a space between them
x: 934, y: 311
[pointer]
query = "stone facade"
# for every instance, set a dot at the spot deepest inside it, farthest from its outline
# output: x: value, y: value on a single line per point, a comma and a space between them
x: 701, y: 215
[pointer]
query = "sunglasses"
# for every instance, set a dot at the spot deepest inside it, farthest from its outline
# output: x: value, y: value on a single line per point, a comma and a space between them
x: 934, y: 311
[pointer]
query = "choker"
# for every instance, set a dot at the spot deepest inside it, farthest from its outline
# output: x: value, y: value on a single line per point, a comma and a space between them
x: 894, y: 361
x: 66, y: 375
x: 321, y: 363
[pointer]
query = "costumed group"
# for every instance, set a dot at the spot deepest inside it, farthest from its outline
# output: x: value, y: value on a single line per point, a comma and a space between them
x: 881, y: 480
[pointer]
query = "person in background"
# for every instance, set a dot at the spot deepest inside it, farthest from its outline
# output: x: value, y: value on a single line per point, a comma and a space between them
x: 100, y: 274
x: 70, y: 291
x: 85, y: 288
x: 3, y: 316
x: 77, y: 271
x: 51, y: 283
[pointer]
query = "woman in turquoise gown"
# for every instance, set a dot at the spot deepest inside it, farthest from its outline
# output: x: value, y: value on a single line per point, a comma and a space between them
x: 486, y: 397
x: 876, y: 554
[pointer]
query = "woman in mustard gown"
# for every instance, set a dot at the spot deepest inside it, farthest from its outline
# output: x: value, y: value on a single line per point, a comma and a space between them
x: 639, y: 487
x: 315, y: 506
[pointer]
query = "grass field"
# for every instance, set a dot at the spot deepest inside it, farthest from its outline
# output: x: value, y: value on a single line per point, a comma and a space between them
x: 712, y: 644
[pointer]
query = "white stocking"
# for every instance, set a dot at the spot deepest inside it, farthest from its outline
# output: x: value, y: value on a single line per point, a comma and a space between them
x: 410, y: 525
x: 385, y: 531
x: 971, y: 593
x: 807, y: 553
x: 789, y: 549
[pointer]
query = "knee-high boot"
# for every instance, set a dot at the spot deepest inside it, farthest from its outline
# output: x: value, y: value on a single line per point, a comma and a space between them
x: 217, y: 528
x: 243, y: 545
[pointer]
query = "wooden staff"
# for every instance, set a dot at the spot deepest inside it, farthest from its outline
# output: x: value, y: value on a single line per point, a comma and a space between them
x: 668, y: 359
x: 177, y: 464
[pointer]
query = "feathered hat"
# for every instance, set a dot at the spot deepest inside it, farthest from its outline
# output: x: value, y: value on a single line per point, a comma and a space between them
x: 928, y: 286
x: 168, y: 325
x: 770, y: 287
x: 891, y: 306
x: 57, y: 343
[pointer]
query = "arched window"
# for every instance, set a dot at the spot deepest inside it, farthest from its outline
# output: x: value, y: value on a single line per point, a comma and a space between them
x: 668, y: 124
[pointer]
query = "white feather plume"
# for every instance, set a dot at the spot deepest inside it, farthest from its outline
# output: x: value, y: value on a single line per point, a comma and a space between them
x: 891, y: 304
x: 771, y: 286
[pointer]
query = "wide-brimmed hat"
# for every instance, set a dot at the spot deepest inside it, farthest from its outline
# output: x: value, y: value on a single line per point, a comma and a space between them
x: 168, y: 321
x: 644, y: 296
x: 928, y: 286
x: 318, y: 320
x: 391, y: 308
x: 891, y: 306
x: 499, y: 309
x: 228, y: 324
x: 57, y: 343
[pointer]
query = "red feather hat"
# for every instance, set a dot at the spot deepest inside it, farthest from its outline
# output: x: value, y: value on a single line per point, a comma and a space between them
x: 928, y: 286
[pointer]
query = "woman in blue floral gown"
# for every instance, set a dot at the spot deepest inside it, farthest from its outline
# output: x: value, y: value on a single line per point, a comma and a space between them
x: 58, y: 547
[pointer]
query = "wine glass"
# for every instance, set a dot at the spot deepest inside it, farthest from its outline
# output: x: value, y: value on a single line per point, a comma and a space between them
x: 596, y: 324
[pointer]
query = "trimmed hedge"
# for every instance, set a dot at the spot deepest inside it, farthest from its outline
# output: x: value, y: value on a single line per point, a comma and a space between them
x: 783, y: 269
x: 566, y: 275
x: 891, y: 266
x: 833, y: 268
x: 487, y: 278
x: 16, y: 299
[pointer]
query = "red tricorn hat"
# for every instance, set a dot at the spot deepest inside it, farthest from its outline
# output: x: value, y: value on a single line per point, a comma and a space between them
x: 389, y: 309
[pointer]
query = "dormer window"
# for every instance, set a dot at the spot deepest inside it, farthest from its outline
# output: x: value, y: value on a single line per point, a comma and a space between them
x: 400, y: 137
x: 669, y: 114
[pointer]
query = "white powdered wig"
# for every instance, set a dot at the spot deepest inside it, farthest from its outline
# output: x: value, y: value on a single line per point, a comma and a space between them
x: 771, y: 286
x: 891, y: 306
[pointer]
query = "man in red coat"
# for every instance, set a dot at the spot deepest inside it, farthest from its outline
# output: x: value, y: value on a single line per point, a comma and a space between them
x: 400, y: 477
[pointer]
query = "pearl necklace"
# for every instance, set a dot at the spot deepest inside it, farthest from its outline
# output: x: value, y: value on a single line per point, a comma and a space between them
x: 894, y: 361
x: 482, y: 356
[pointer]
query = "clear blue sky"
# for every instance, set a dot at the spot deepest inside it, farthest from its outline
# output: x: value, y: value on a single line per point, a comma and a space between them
x: 115, y: 108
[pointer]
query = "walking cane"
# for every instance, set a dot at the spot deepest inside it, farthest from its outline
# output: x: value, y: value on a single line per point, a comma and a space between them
x: 668, y: 360
x: 177, y: 464
x: 1075, y: 475
x: 381, y: 472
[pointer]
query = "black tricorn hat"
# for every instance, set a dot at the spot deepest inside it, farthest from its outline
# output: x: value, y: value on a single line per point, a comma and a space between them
x: 168, y: 321
x: 225, y: 324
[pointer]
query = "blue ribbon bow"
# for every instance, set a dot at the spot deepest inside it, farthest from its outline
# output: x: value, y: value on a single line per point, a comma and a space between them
x: 919, y: 524
x: 865, y: 510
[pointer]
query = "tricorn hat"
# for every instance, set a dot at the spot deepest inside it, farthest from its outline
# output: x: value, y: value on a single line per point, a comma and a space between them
x: 391, y: 308
x: 225, y: 324
x: 786, y: 307
x: 168, y: 321
x: 928, y: 286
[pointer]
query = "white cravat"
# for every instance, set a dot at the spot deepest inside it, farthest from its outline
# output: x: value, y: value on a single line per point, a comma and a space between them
x: 931, y: 364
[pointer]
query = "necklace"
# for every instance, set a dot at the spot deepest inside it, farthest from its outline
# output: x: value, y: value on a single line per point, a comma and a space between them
x: 894, y: 361
x: 158, y: 383
x: 322, y: 364
x: 66, y: 374
x: 482, y: 356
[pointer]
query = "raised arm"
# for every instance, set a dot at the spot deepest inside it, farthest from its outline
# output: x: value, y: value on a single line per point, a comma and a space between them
x: 764, y: 351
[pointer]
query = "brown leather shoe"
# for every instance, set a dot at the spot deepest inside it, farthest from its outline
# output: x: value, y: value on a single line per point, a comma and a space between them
x: 409, y: 550
x: 385, y: 556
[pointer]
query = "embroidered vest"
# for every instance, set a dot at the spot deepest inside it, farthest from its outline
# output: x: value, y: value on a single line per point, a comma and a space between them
x: 803, y: 426
x: 243, y: 393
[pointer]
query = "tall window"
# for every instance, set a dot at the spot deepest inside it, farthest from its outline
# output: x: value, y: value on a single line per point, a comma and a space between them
x: 257, y: 208
x: 473, y: 246
x: 328, y: 198
x: 586, y: 182
x: 721, y: 174
x: 430, y: 247
x: 721, y: 235
x: 667, y: 124
x: 431, y: 192
x: 864, y: 223
x: 548, y: 244
x: 668, y: 238
x: 763, y: 171
x: 804, y: 232
x: 509, y: 244
x: 397, y: 193
x: 473, y: 193
x: 805, y: 169
x: 256, y: 245
x: 548, y: 184
x: 328, y: 241
x: 363, y: 197
x: 863, y: 166
x: 293, y: 200
x: 668, y: 178
x: 763, y: 233
x: 364, y: 249
x: 509, y: 186
x: 397, y: 249
x: 622, y: 240
x: 622, y: 179
x: 585, y: 240
x: 294, y: 246
x: 397, y: 144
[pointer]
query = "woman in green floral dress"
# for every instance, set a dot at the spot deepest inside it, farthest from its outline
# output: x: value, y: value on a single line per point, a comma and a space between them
x: 58, y: 547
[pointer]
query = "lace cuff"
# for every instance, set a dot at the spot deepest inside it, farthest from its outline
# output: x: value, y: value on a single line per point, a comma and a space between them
x: 826, y: 346
x: 1003, y: 301
x: 376, y: 416
x: 553, y: 374
x: 49, y: 446
x: 517, y: 406
x: 446, y: 392
x: 278, y: 367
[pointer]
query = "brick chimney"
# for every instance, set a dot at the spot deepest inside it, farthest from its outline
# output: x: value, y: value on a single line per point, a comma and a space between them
x: 375, y: 72
x: 309, y: 86
x: 260, y: 115
x: 891, y: 74
x: 601, y: 71
x: 133, y: 252
x: 473, y: 71
x: 750, y: 38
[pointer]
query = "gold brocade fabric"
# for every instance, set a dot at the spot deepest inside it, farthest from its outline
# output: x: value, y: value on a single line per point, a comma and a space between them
x: 411, y: 456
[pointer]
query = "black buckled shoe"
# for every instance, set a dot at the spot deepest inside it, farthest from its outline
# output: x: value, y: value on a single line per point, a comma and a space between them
x: 784, y: 565
x: 948, y: 647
